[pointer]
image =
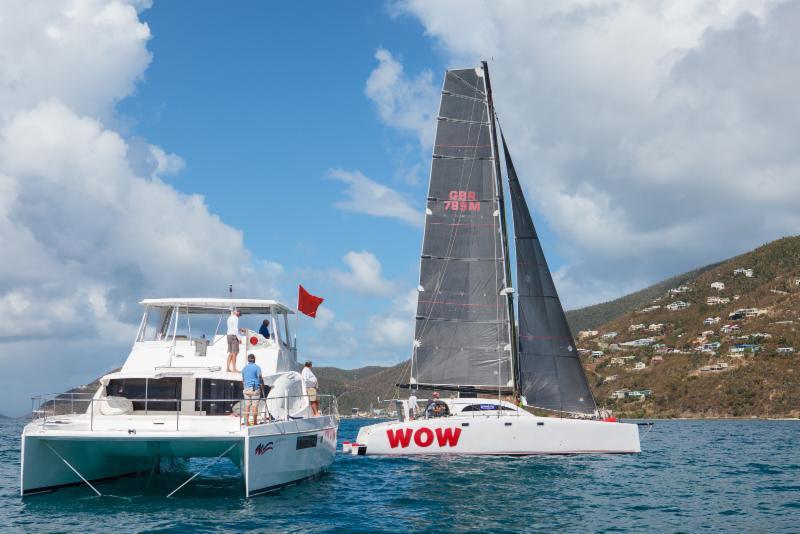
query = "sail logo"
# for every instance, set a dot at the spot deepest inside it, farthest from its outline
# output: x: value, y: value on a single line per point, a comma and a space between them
x: 423, y: 437
x: 263, y: 447
x: 462, y: 201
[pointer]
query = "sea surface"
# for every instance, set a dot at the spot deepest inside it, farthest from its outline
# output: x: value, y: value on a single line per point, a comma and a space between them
x: 692, y: 475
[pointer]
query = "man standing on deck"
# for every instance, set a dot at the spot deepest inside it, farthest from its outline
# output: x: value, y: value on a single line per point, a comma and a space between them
x: 412, y: 405
x: 252, y: 382
x: 233, y: 340
x: 310, y: 381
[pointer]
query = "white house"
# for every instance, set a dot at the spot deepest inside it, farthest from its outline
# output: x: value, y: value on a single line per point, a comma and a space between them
x: 635, y: 327
x: 718, y: 286
x: 785, y: 350
x: 656, y: 327
x: 597, y: 354
x: 711, y: 301
x: 677, y: 305
x: 710, y: 321
x: 638, y: 366
x: 729, y: 329
x: 643, y: 342
x: 583, y: 334
x: 679, y: 290
x: 620, y: 394
x: 610, y: 335
x: 741, y: 270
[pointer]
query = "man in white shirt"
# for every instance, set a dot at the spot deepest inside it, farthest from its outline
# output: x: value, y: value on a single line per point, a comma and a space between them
x: 233, y: 340
x: 311, y: 384
x: 413, y: 408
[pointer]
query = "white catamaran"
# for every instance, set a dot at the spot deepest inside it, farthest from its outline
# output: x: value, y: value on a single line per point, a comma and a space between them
x: 174, y: 398
x: 467, y: 341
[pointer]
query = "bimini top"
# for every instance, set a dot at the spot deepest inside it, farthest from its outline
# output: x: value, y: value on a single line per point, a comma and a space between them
x: 202, y: 304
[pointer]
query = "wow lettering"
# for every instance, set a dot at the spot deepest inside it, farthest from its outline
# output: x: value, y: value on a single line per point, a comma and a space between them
x: 423, y: 437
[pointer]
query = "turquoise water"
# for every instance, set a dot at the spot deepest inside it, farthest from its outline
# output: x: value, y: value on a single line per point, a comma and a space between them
x: 691, y: 475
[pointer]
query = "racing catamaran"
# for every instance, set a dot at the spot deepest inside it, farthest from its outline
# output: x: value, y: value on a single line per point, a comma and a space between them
x: 470, y: 338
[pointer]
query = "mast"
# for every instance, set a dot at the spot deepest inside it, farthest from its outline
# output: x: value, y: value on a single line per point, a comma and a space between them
x: 512, y: 329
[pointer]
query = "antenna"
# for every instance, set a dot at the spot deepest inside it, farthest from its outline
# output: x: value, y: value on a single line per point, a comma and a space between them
x: 230, y: 290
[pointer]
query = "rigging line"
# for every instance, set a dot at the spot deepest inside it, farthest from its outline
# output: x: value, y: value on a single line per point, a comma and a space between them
x: 467, y: 83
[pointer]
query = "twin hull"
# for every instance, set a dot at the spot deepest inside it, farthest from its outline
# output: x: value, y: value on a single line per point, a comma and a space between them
x: 500, y: 435
x: 269, y: 456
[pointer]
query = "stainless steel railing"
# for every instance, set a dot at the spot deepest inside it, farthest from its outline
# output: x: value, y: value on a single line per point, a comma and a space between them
x: 49, y: 407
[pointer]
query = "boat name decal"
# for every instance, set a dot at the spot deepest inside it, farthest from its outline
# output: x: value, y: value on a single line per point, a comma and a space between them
x: 423, y: 437
x: 263, y: 447
x: 462, y: 201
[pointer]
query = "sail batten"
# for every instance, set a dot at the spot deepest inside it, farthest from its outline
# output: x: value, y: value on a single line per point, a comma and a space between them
x: 550, y: 374
x: 461, y: 334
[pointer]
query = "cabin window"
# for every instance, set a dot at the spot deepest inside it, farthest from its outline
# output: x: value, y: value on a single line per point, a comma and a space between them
x: 306, y: 442
x: 155, y: 324
x: 141, y: 390
x: 486, y: 407
x: 207, y: 388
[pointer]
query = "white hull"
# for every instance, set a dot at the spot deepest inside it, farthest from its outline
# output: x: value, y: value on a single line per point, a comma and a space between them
x: 497, y: 435
x: 102, y: 455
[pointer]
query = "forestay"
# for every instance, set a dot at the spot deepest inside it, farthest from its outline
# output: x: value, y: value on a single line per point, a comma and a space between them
x: 462, y: 329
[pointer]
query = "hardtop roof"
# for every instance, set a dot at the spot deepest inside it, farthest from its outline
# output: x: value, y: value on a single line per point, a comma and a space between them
x: 245, y: 306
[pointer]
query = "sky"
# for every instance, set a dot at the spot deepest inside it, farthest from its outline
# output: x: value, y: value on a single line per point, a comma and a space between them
x: 153, y: 149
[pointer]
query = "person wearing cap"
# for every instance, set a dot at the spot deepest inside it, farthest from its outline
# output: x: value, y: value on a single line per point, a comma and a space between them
x: 233, y: 340
x: 252, y: 382
x: 311, y: 384
x: 436, y: 407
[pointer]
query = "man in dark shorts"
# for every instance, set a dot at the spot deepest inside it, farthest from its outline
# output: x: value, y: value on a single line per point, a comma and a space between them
x: 233, y: 340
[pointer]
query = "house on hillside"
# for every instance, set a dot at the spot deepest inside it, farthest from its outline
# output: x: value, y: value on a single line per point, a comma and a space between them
x: 714, y: 300
x: 710, y: 347
x: 679, y: 290
x: 713, y: 367
x: 648, y: 309
x: 597, y: 354
x: 635, y: 327
x: 730, y: 329
x: 583, y: 334
x: 609, y: 378
x: 643, y: 342
x: 784, y: 350
x: 638, y: 366
x: 656, y: 327
x: 677, y: 305
x: 610, y: 335
x: 640, y: 393
x: 741, y: 270
x: 710, y: 321
x: 620, y: 360
x: 719, y: 286
x: 619, y: 394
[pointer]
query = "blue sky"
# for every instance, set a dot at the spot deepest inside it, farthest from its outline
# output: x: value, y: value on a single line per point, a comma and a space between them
x: 170, y: 148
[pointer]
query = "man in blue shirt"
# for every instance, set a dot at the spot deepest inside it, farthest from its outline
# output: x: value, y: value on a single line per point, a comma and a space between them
x: 264, y: 330
x: 251, y: 382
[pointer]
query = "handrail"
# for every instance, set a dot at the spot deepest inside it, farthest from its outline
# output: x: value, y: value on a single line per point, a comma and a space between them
x: 46, y: 407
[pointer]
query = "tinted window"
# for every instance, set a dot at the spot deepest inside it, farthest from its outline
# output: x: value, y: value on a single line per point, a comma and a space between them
x: 306, y: 442
x: 143, y: 388
x: 486, y: 407
x: 206, y: 388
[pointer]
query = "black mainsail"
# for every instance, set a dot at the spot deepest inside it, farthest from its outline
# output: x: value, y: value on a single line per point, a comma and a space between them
x: 462, y: 326
x: 550, y: 374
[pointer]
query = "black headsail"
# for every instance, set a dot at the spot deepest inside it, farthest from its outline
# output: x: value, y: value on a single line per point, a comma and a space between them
x: 549, y: 370
x: 462, y: 326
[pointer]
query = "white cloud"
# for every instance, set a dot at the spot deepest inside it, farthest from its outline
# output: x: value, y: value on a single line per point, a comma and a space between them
x: 85, y: 232
x: 408, y: 104
x: 364, y: 275
x: 650, y: 138
x: 369, y: 197
x: 395, y: 328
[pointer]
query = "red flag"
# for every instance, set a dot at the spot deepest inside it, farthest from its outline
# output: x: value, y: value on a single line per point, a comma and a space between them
x: 308, y: 303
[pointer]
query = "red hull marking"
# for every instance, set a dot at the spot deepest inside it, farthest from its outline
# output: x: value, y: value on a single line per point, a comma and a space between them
x: 448, y: 436
x: 423, y: 437
x: 400, y: 437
